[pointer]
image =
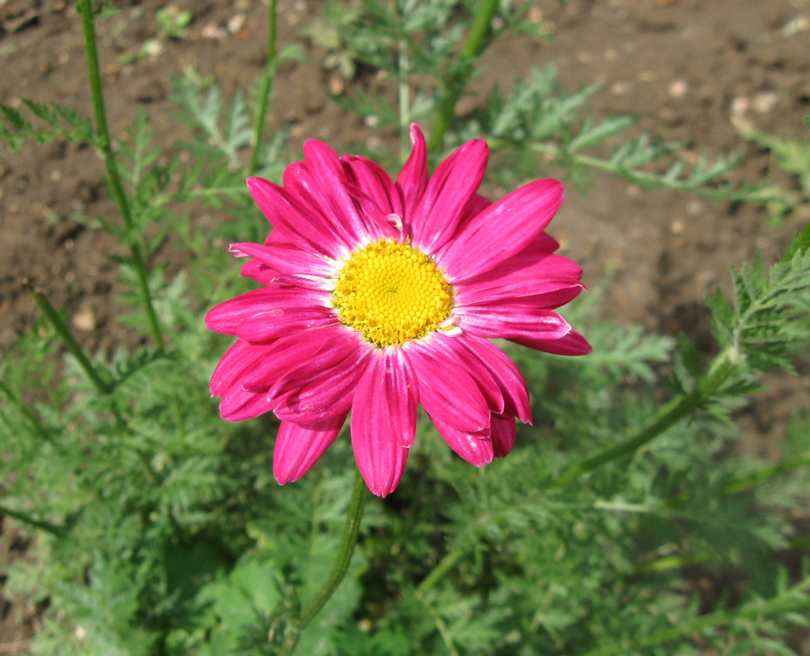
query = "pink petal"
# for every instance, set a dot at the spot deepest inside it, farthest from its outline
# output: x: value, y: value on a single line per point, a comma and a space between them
x: 277, y: 323
x: 458, y: 351
x: 238, y: 403
x: 241, y: 404
x: 239, y: 359
x: 384, y: 420
x: 315, y: 283
x: 374, y: 191
x: 506, y: 375
x: 387, y: 396
x: 571, y: 344
x: 413, y: 178
x: 512, y: 321
x: 446, y: 391
x: 503, y: 435
x: 475, y: 447
x: 502, y: 230
x: 227, y: 317
x: 542, y: 243
x: 539, y: 294
x: 525, y: 274
x: 258, y: 272
x: 473, y: 208
x: 307, y: 230
x: 298, y: 446
x: 450, y: 189
x: 337, y: 345
x: 289, y: 353
x: 328, y: 190
x: 322, y: 395
x: 285, y: 260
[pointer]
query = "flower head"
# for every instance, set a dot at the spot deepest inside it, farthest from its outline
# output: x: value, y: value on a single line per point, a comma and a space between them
x: 379, y: 296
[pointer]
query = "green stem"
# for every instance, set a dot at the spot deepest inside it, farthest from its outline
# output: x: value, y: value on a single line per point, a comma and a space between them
x: 441, y: 627
x: 720, y: 368
x: 103, y: 386
x: 351, y: 530
x: 445, y: 566
x: 670, y: 563
x: 39, y: 427
x: 264, y: 93
x: 788, y: 601
x: 454, y: 86
x: 105, y: 145
x: 53, y: 529
x: 745, y: 483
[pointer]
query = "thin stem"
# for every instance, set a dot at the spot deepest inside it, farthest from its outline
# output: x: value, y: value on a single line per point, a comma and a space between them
x: 53, y: 529
x: 351, y: 530
x: 720, y: 369
x: 103, y: 386
x: 454, y: 86
x: 441, y: 627
x: 39, y: 427
x: 788, y: 601
x: 445, y: 566
x: 745, y: 483
x: 264, y: 93
x: 105, y: 145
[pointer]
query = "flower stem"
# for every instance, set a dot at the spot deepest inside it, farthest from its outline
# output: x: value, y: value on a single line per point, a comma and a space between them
x: 721, y: 367
x: 454, y: 85
x: 53, y: 529
x: 104, y: 144
x: 268, y: 77
x: 351, y: 530
x: 103, y: 386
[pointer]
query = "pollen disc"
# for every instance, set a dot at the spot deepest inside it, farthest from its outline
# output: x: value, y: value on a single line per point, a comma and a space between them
x: 392, y: 293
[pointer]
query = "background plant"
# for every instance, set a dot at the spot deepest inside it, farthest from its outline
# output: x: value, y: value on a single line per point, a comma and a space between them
x: 161, y: 531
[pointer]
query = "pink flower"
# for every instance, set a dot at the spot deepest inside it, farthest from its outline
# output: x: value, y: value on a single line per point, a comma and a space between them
x: 379, y: 296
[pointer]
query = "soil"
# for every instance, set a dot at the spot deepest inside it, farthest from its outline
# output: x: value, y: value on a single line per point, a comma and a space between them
x: 692, y: 70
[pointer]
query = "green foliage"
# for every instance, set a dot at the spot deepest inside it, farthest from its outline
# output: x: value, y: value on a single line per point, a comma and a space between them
x: 160, y: 528
x: 793, y: 157
x: 60, y: 122
x: 768, y: 319
x: 172, y: 22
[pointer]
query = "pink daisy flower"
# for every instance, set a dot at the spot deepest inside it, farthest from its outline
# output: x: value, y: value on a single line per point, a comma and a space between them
x: 379, y: 296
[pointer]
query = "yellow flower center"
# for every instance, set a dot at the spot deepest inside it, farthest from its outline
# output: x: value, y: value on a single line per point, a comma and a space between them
x: 392, y: 293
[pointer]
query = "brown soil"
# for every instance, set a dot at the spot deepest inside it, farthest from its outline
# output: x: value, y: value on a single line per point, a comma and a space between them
x: 683, y: 66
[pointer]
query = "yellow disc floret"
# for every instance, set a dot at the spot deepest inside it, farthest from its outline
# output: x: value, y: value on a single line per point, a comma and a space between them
x: 392, y: 293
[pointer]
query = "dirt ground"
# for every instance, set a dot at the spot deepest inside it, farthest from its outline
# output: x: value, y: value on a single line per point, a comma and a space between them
x: 689, y: 68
